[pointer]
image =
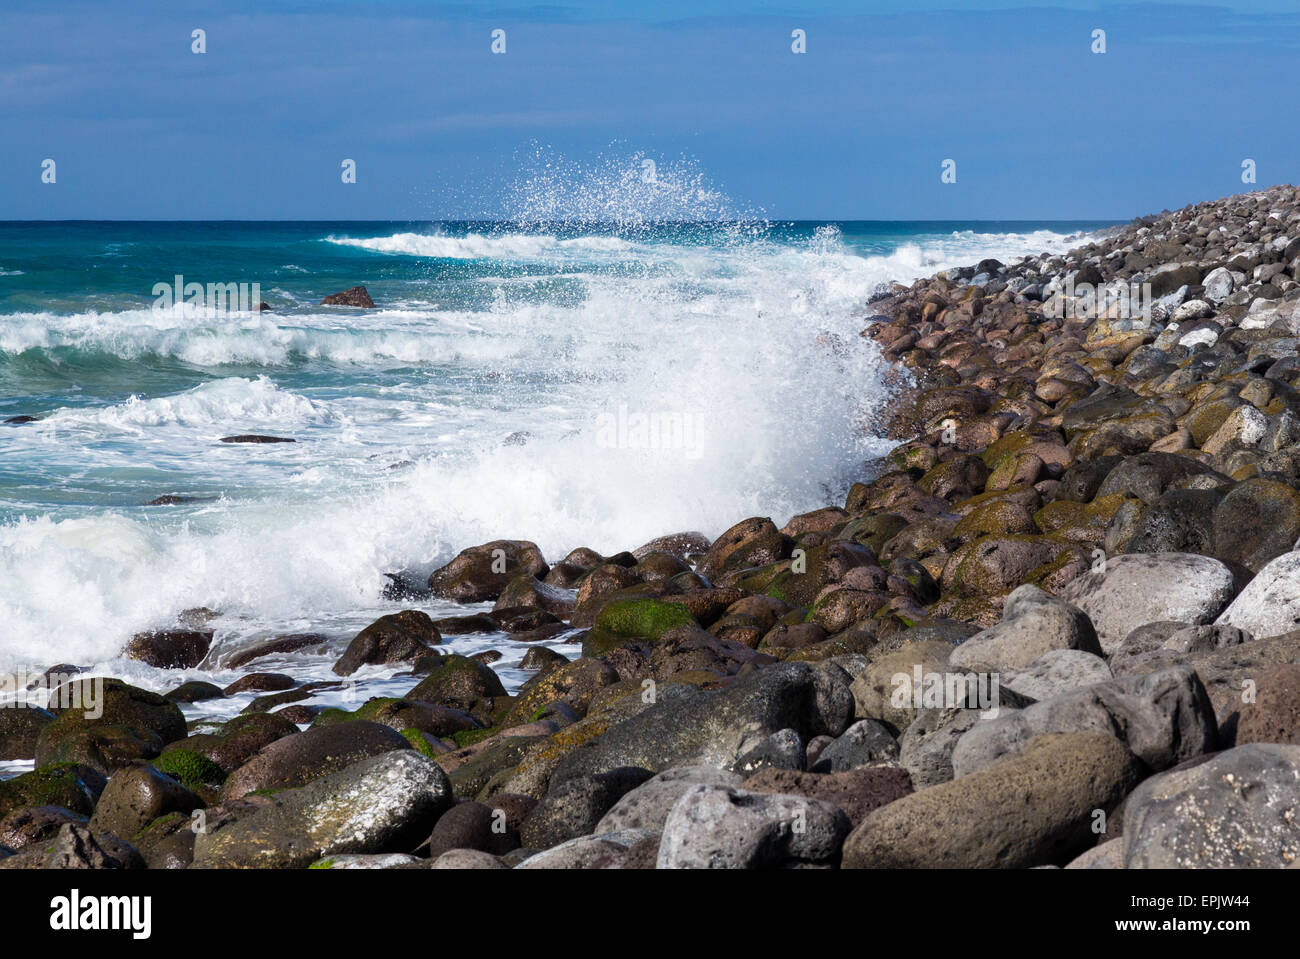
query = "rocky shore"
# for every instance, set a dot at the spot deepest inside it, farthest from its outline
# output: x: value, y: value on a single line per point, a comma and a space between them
x: 1057, y: 625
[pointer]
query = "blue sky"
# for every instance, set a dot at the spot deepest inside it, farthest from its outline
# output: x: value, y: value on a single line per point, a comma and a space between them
x: 858, y: 127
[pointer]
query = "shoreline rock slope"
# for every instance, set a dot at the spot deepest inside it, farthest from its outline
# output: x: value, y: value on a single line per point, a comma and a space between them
x: 1070, y: 588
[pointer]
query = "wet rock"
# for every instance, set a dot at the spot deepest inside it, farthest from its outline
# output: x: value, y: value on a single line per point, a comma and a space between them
x: 170, y: 648
x: 752, y: 542
x: 137, y: 795
x: 353, y: 296
x: 67, y: 785
x: 260, y: 682
x: 31, y: 825
x: 480, y: 573
x: 457, y: 682
x: 256, y: 438
x: 289, y: 643
x: 396, y: 638
x: 20, y: 728
x: 302, y: 757
x: 381, y: 804
x: 107, y: 723
x: 76, y: 847
x: 194, y: 691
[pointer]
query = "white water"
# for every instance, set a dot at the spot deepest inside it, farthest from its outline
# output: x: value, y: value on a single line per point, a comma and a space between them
x: 755, y: 343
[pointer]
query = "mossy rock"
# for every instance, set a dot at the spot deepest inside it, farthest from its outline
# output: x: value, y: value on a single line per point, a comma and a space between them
x: 873, y: 531
x: 1079, y: 522
x: 236, y: 740
x: 70, y: 785
x: 191, y: 769
x: 419, y: 741
x: 468, y: 737
x: 628, y: 619
x: 331, y: 715
x: 127, y: 713
x: 1006, y: 448
x: 573, y: 684
x: 909, y: 456
x: 999, y: 516
x: 802, y: 588
x: 459, y: 682
x: 471, y: 776
x: 103, y: 747
x: 760, y: 578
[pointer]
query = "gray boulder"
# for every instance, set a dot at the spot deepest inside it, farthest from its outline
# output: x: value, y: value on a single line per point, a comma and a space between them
x: 863, y: 743
x: 1233, y: 811
x: 1056, y: 672
x: 1270, y: 603
x: 1033, y: 623
x: 1139, y: 588
x: 648, y: 805
x: 1164, y: 717
x: 574, y: 807
x: 718, y: 827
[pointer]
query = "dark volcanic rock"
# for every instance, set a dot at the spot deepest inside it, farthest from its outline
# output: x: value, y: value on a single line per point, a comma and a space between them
x: 170, y: 648
x: 353, y: 296
x: 399, y: 637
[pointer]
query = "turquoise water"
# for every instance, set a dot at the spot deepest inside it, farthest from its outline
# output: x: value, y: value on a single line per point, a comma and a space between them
x: 468, y: 405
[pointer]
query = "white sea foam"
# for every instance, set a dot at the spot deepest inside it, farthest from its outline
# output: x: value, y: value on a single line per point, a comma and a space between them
x: 756, y: 341
x: 476, y: 246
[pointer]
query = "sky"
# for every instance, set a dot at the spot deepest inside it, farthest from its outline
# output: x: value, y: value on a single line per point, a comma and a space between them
x: 857, y: 127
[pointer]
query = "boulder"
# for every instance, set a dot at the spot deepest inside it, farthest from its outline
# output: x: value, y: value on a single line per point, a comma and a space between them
x: 395, y: 638
x: 1033, y: 623
x: 137, y: 795
x: 647, y: 806
x: 1056, y: 672
x: 721, y: 827
x: 170, y: 648
x: 353, y: 296
x: 856, y: 791
x: 382, y: 804
x: 1164, y: 718
x: 1233, y: 811
x: 480, y: 573
x: 1034, y: 808
x: 298, y: 759
x: 717, y: 728
x: 1270, y: 603
x: 1135, y: 589
x: 574, y: 808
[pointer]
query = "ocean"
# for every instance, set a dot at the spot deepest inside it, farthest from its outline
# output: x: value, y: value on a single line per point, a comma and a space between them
x: 574, y: 385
